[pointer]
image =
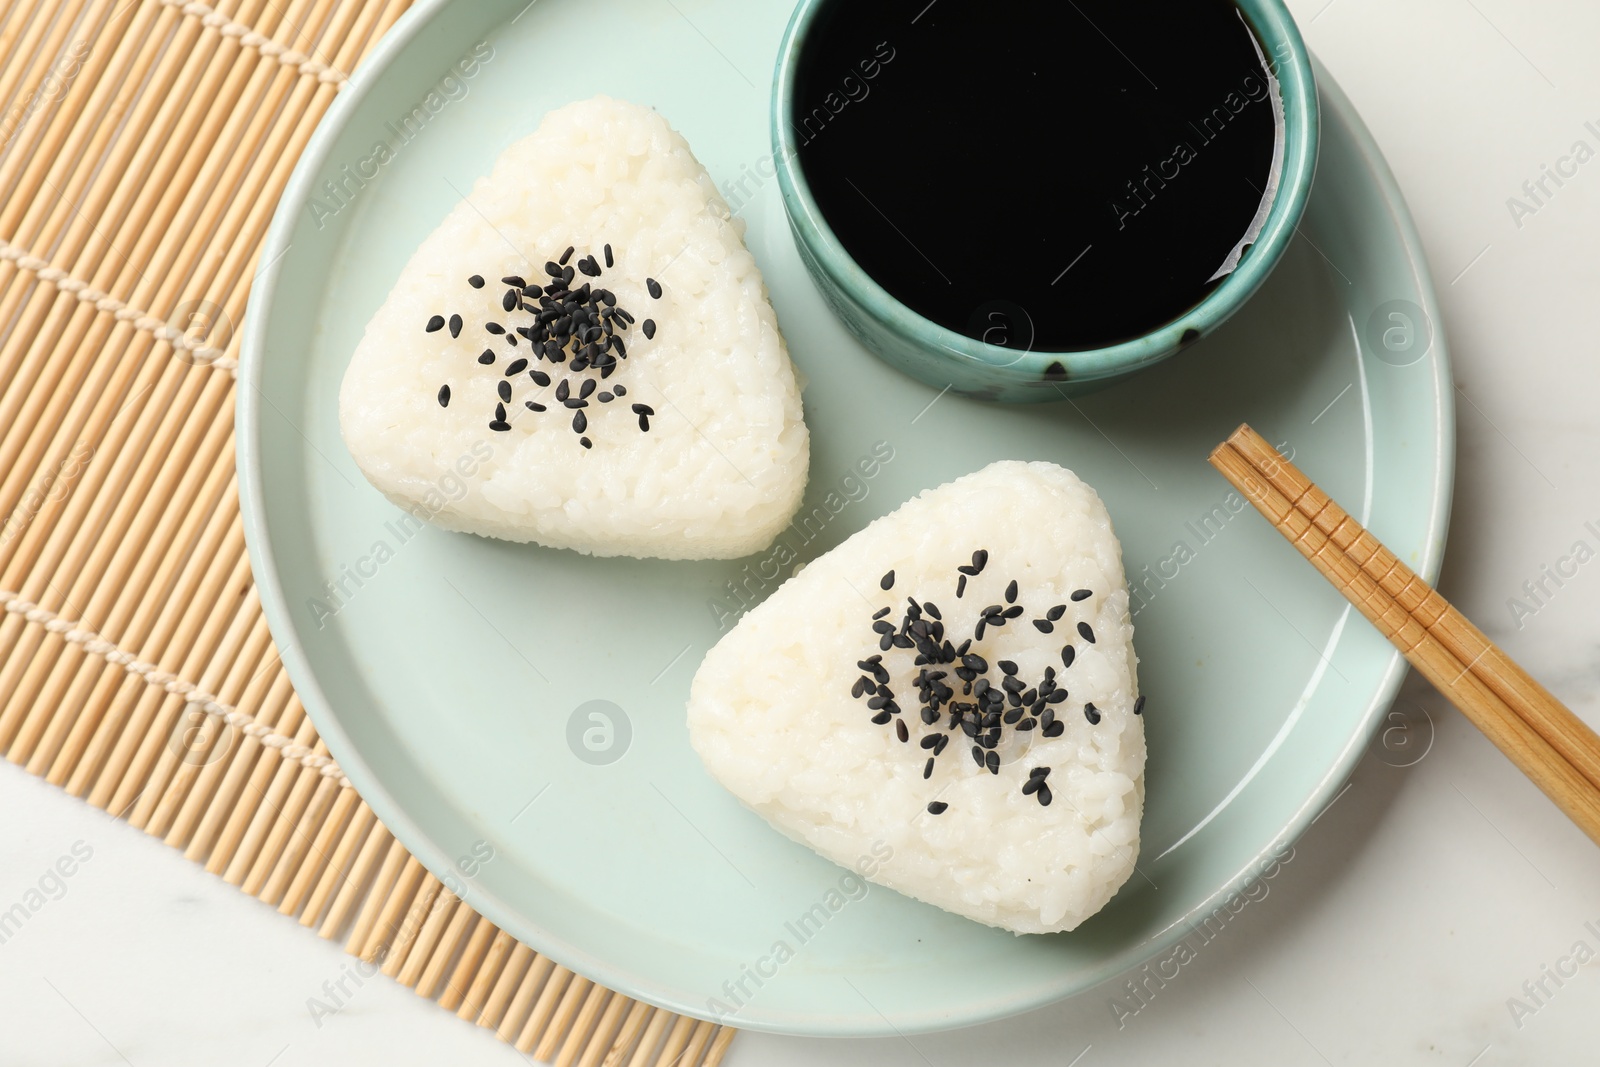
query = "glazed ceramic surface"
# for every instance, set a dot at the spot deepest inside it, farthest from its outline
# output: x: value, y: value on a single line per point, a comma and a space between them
x: 507, y: 700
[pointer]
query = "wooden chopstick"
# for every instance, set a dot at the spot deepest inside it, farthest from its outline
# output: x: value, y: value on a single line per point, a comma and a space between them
x: 1546, y: 741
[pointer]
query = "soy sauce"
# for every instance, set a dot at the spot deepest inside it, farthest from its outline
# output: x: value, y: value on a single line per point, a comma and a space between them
x: 1049, y: 176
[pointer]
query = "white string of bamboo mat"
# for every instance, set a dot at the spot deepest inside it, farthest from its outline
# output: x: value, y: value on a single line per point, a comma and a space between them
x: 197, y: 698
x: 250, y: 38
x: 104, y: 301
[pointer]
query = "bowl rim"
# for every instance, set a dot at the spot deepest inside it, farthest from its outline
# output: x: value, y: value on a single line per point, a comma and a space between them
x: 1272, y: 23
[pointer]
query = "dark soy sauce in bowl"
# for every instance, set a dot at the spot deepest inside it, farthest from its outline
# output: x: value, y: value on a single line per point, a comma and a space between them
x: 1056, y: 177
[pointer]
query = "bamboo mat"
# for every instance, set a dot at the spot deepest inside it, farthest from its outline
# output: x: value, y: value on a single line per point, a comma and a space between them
x: 146, y: 144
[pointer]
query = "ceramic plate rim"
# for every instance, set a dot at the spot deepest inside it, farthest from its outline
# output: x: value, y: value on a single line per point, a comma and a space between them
x: 275, y: 605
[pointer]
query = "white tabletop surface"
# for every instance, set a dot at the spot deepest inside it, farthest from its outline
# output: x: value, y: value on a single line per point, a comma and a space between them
x: 1424, y: 907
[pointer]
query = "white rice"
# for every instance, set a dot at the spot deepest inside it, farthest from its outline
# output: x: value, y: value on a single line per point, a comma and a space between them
x: 723, y: 467
x: 772, y: 716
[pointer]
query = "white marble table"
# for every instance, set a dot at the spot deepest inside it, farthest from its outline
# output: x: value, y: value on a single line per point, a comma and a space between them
x: 1419, y: 912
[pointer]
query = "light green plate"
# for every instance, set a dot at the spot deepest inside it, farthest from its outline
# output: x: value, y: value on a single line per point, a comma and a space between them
x: 452, y: 680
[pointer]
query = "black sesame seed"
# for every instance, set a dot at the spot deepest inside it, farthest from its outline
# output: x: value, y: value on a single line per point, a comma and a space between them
x: 1091, y: 713
x: 585, y: 442
x: 540, y: 378
x: 444, y: 396
x: 513, y: 280
x: 1138, y: 706
x: 649, y: 329
x: 499, y: 413
x: 643, y: 409
x: 510, y: 301
x: 605, y: 397
x: 435, y: 324
x: 1082, y: 594
x: 980, y: 559
x: 654, y: 287
x: 932, y: 609
x: 1008, y: 668
x: 900, y: 730
x: 515, y: 367
x: 885, y: 583
x: 1039, y: 772
x: 494, y: 328
x: 567, y: 255
x: 1027, y: 724
x: 487, y: 358
x: 586, y: 390
x: 531, y: 406
x: 620, y: 390
x: 1068, y: 654
x: 476, y: 281
x: 580, y: 422
x: 927, y: 768
x: 977, y: 754
x: 1043, y: 626
x: 1056, y: 612
x: 929, y: 741
x: 1055, y: 729
x: 882, y: 718
x: 938, y: 749
x: 563, y: 390
x: 1011, y: 592
x: 992, y: 761
x: 552, y: 269
x: 961, y: 586
x: 1086, y: 632
x: 938, y: 807
x: 609, y: 261
x: 644, y: 424
x: 505, y: 391
x: 455, y: 325
x: 1045, y: 796
x: 1031, y: 786
x: 574, y: 404
x: 499, y: 426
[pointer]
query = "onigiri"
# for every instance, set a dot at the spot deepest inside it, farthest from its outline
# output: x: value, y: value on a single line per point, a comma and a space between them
x: 587, y: 343
x: 957, y: 682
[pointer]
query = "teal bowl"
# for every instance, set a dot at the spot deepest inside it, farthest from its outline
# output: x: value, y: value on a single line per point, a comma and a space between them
x: 945, y: 359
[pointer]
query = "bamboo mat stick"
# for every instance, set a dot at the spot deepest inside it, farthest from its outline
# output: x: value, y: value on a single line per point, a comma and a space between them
x: 500, y: 995
x: 485, y: 972
x: 462, y: 925
x: 645, y: 1052
x: 268, y: 803
x: 605, y: 1031
x: 195, y: 740
x: 571, y: 1001
x: 236, y: 842
x: 373, y: 847
x: 324, y: 854
x: 295, y: 784
x: 555, y: 984
x: 632, y: 1027
x: 720, y: 1045
x: 423, y: 902
x: 1510, y: 732
x: 440, y: 918
x: 336, y: 872
x: 472, y: 956
x: 578, y: 1036
x: 225, y: 818
x: 296, y: 854
x: 529, y: 987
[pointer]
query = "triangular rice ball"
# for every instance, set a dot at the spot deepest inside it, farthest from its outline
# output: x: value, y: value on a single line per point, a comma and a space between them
x: 630, y: 397
x: 947, y: 702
